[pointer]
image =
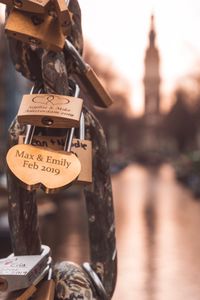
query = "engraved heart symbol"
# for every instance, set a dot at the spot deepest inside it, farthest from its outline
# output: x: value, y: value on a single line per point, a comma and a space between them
x: 42, y: 168
x: 50, y: 100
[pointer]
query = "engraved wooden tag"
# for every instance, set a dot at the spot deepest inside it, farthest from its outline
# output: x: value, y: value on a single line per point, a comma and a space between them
x: 82, y: 148
x: 45, y: 110
x: 46, y: 33
x: 34, y: 6
x: 37, y: 167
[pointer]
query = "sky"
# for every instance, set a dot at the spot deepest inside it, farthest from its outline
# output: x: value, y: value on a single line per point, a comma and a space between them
x: 119, y: 30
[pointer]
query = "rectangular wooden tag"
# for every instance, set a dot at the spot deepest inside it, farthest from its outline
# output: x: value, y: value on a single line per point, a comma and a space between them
x: 49, y: 110
x: 82, y: 148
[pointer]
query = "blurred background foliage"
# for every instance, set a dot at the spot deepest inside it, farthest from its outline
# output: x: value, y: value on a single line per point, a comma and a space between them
x: 151, y: 139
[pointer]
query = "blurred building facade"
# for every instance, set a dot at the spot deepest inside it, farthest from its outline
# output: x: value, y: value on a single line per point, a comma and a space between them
x: 150, y: 124
x: 12, y: 87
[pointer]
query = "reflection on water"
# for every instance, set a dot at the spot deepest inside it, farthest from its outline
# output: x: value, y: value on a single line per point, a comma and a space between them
x: 158, y: 240
x: 158, y: 237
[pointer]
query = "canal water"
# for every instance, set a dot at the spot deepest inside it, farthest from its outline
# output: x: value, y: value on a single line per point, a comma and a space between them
x: 157, y: 229
x: 158, y: 236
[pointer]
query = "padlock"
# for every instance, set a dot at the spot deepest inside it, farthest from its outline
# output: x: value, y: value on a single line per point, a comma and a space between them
x: 59, y: 9
x: 99, y: 288
x: 46, y: 288
x: 43, y: 23
x: 19, y: 272
x: 33, y: 6
x: 80, y: 147
x: 87, y: 79
x: 50, y: 110
x: 56, y: 8
x: 42, y: 31
x: 42, y: 288
x: 44, y: 168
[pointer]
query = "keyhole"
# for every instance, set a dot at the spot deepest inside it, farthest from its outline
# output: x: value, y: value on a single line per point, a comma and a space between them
x: 47, y: 121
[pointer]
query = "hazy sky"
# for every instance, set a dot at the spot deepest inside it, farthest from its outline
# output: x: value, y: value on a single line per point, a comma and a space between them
x: 119, y: 30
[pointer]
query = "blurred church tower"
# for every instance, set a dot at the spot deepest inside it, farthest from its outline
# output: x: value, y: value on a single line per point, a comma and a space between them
x: 153, y: 118
x: 152, y: 75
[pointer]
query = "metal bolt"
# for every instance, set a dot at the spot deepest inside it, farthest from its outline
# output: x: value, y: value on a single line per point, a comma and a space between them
x: 18, y: 3
x: 92, y: 219
x: 47, y: 121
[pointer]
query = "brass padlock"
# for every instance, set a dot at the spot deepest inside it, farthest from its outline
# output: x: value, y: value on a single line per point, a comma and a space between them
x: 36, y: 167
x: 42, y: 23
x: 59, y: 9
x: 87, y: 78
x: 40, y: 31
x: 34, y: 6
x: 50, y: 110
x: 81, y: 147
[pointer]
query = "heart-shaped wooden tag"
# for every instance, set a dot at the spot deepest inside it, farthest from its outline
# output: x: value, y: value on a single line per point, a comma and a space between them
x: 37, y: 167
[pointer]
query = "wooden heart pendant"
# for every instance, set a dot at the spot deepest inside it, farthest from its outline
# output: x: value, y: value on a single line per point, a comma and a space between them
x: 38, y: 167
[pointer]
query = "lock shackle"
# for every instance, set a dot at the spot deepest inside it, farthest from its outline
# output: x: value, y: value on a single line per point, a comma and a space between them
x: 82, y: 127
x: 29, y: 134
x: 69, y: 47
x: 101, y: 292
x: 31, y: 128
x: 36, y: 89
x: 70, y: 133
x: 46, y: 251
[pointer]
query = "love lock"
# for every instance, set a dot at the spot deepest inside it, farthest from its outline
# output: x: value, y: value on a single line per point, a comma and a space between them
x: 87, y: 78
x: 81, y: 147
x: 43, y: 24
x: 33, y: 6
x: 50, y: 110
x: 38, y: 167
x: 19, y: 272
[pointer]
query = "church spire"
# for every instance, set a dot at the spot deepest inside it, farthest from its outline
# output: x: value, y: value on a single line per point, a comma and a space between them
x: 152, y: 73
x: 152, y: 33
